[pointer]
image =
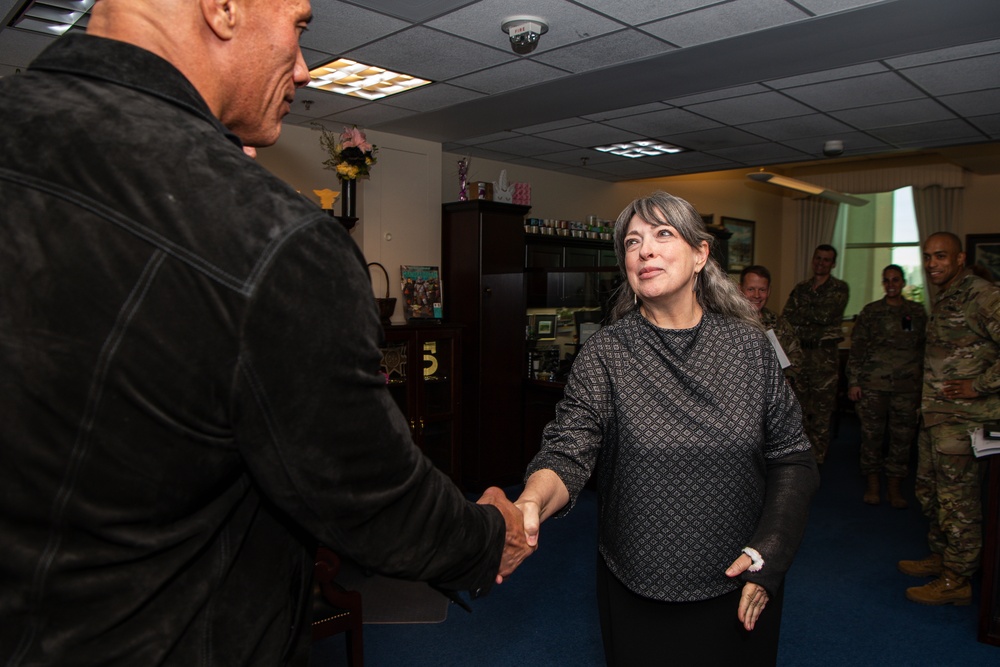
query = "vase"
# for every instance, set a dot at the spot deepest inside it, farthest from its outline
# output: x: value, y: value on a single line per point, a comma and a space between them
x: 348, y: 198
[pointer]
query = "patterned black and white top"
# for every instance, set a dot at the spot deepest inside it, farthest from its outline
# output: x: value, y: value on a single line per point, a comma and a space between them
x: 685, y: 428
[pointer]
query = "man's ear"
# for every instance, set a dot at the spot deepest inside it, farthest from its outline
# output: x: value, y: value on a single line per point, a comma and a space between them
x: 220, y: 16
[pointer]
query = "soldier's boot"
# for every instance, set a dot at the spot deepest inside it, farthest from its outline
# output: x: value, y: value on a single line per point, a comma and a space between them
x: 931, y: 566
x: 872, y: 496
x: 949, y: 588
x: 896, y: 498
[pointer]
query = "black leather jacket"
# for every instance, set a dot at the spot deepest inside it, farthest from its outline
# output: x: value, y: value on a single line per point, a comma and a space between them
x: 189, y: 386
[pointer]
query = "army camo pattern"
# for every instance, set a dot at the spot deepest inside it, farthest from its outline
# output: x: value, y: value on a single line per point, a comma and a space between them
x: 786, y: 336
x: 886, y: 361
x: 948, y: 489
x: 816, y: 316
x: 963, y: 341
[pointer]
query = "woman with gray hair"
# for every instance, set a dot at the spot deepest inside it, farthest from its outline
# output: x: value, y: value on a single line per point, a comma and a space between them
x: 703, y: 472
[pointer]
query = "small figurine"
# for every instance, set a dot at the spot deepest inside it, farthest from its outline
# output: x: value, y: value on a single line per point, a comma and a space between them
x: 463, y: 179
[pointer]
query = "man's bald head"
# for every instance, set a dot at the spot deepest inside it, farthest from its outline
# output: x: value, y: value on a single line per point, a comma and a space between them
x: 242, y: 56
x: 943, y: 258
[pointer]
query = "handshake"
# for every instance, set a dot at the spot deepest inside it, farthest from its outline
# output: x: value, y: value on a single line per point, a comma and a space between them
x: 522, y: 523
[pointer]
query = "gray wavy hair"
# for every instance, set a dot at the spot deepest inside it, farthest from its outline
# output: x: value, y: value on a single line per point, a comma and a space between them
x: 713, y: 288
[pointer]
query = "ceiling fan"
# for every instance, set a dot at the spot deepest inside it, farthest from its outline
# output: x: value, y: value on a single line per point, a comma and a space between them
x: 802, y: 186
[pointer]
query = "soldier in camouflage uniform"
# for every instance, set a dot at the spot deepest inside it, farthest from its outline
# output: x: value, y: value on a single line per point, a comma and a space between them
x: 884, y: 373
x: 961, y: 391
x: 815, y: 309
x: 755, y: 283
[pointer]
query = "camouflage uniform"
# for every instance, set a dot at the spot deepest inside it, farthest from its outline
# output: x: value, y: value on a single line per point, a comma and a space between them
x: 887, y: 359
x: 963, y: 341
x: 786, y: 336
x: 816, y: 316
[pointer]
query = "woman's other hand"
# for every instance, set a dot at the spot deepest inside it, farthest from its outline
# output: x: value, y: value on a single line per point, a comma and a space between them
x: 754, y: 597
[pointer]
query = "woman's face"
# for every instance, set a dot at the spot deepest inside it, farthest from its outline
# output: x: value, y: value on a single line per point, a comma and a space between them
x: 659, y: 263
x: 893, y: 283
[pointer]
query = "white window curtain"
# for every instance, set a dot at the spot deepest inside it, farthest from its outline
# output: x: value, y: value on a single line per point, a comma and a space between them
x: 937, y: 201
x: 936, y: 209
x: 817, y: 219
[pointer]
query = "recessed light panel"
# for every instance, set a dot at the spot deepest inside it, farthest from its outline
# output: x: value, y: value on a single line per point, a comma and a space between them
x: 349, y: 77
x: 54, y: 17
x: 645, y: 148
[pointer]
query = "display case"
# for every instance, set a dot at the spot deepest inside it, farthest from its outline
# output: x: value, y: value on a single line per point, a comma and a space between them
x: 422, y: 365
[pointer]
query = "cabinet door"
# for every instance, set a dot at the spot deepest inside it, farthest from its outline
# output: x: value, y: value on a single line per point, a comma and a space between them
x: 422, y: 373
x: 395, y: 366
x: 608, y: 258
x: 543, y: 256
x: 437, y: 422
x: 581, y: 257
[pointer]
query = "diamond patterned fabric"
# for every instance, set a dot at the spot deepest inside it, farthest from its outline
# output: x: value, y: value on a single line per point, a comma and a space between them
x: 680, y: 425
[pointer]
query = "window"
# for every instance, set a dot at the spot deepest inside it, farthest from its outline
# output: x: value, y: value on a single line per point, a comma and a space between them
x: 872, y: 237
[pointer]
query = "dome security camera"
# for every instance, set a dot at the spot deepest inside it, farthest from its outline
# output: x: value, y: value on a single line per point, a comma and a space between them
x: 524, y: 31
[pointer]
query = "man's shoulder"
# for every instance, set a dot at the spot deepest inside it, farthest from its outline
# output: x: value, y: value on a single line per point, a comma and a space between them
x: 837, y: 284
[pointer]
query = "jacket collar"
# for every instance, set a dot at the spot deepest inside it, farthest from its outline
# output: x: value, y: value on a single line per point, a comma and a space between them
x: 130, y: 66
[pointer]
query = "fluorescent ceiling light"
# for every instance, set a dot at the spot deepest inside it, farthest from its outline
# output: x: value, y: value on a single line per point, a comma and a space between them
x: 645, y: 148
x: 54, y: 17
x: 348, y: 77
x: 809, y: 188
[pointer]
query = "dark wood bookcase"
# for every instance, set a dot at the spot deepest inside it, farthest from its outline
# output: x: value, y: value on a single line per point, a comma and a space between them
x: 482, y: 276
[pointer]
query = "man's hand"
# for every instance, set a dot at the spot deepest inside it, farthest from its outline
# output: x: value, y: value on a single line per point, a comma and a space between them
x: 516, y: 547
x: 953, y: 389
x: 854, y: 393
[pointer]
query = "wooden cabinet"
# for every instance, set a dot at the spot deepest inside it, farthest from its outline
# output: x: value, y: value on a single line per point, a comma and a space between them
x: 482, y: 274
x: 422, y: 363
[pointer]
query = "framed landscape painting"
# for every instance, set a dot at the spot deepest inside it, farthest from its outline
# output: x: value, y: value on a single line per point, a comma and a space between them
x: 740, y: 243
x: 984, y: 250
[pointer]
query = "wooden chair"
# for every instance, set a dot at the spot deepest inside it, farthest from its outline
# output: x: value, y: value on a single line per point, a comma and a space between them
x: 336, y: 610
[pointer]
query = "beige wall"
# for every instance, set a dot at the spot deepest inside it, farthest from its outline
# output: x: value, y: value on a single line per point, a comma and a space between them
x: 400, y: 206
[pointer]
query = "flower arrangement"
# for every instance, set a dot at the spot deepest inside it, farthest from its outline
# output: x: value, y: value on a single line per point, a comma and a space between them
x: 351, y: 156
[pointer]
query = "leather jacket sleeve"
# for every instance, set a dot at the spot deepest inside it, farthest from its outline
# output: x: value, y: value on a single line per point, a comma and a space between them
x: 324, y: 439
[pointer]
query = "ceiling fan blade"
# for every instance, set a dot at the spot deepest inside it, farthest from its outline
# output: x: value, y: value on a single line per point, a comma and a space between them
x: 802, y: 186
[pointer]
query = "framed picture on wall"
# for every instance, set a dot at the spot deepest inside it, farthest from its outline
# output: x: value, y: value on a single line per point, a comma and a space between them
x: 984, y: 250
x: 740, y: 243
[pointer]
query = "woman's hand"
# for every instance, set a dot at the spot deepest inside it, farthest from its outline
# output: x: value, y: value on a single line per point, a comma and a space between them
x: 532, y: 522
x: 754, y: 597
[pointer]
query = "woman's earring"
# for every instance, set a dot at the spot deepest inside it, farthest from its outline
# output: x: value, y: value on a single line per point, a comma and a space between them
x: 635, y: 299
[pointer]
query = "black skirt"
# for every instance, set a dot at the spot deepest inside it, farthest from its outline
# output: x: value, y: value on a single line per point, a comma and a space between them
x: 638, y: 631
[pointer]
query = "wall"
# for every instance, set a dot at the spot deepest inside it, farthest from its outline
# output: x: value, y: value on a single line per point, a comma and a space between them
x: 400, y: 206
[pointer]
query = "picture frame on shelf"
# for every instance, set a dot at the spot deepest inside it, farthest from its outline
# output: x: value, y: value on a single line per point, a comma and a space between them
x: 741, y: 243
x: 545, y: 327
x: 422, y: 294
x: 984, y: 250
